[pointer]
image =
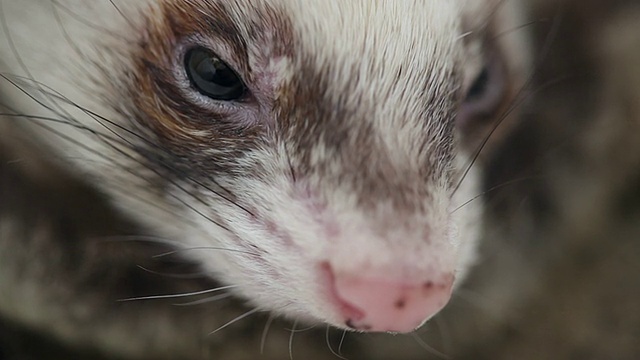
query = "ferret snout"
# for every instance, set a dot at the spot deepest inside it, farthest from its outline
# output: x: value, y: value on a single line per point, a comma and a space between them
x: 379, y: 303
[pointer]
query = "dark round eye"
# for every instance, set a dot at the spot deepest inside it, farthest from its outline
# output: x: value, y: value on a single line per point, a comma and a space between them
x: 212, y: 77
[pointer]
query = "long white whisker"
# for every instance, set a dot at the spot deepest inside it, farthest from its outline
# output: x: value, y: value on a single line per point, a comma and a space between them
x: 163, y: 241
x: 304, y: 329
x: 140, y: 238
x: 198, y: 275
x: 344, y: 335
x: 427, y: 347
x: 174, y: 252
x: 263, y: 338
x: 293, y: 331
x: 497, y: 187
x: 247, y: 314
x: 173, y: 296
x: 329, y: 344
x: 206, y: 300
x: 445, y: 333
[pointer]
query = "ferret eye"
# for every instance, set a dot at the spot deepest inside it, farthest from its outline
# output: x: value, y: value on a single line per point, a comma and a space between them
x: 487, y: 91
x: 479, y: 87
x: 212, y: 77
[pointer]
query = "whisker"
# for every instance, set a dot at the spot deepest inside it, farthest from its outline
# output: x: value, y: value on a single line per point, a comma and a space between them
x: 173, y: 296
x: 64, y: 136
x: 56, y: 14
x: 52, y: 93
x: 12, y: 45
x: 206, y: 300
x: 127, y: 143
x: 476, y: 155
x: 302, y: 330
x: 140, y: 238
x: 239, y: 318
x: 40, y: 87
x: 510, y: 182
x: 293, y: 331
x: 174, y: 252
x: 67, y: 119
x: 122, y: 14
x: 518, y: 28
x: 226, y: 198
x: 200, y: 275
x: 518, y: 99
x: 263, y: 338
x: 464, y: 35
x: 64, y: 121
x: 100, y: 120
x: 494, y: 188
x: 20, y: 85
x: 429, y: 348
x: 329, y: 345
x: 492, y: 14
x: 445, y: 333
x: 83, y: 20
x: 344, y: 335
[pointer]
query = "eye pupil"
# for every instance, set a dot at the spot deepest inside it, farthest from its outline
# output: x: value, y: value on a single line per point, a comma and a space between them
x: 215, y: 71
x: 212, y: 77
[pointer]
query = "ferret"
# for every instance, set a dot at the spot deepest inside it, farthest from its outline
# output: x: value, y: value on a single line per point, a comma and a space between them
x: 318, y: 160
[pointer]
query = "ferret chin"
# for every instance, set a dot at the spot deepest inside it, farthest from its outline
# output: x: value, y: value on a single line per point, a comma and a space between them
x: 317, y: 159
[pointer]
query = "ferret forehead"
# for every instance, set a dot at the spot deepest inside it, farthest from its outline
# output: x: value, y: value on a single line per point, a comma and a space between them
x: 335, y: 29
x: 368, y: 47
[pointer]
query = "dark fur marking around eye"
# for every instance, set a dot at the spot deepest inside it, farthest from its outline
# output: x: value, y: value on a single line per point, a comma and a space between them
x: 158, y: 103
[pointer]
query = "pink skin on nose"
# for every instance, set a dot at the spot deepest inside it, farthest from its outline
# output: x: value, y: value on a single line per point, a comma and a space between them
x: 382, y: 304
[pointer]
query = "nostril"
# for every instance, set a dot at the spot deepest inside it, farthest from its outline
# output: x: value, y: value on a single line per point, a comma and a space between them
x: 383, y: 304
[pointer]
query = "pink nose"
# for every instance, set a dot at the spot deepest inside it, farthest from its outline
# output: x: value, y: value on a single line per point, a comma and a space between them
x: 380, y: 304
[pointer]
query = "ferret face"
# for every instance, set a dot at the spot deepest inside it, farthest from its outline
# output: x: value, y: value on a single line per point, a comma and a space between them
x: 313, y: 153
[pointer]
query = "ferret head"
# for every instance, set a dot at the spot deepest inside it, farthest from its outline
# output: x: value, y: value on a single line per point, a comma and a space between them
x: 314, y: 153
